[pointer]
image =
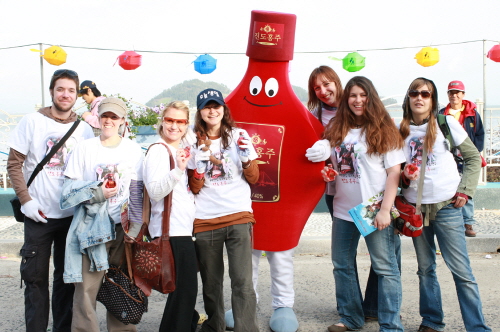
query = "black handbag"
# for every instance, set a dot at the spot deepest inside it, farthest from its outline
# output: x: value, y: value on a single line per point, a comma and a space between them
x: 119, y: 294
x: 15, y: 202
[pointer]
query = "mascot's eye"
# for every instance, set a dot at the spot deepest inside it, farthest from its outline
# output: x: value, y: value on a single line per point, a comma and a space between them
x: 272, y: 87
x: 255, y: 85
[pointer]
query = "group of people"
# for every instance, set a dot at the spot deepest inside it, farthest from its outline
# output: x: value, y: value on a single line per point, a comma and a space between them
x: 357, y: 122
x: 77, y: 205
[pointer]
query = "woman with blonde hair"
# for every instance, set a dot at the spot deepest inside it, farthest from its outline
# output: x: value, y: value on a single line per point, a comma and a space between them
x: 363, y: 122
x: 179, y: 314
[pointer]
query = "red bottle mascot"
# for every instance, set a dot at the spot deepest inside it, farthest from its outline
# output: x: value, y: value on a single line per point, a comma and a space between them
x: 281, y: 130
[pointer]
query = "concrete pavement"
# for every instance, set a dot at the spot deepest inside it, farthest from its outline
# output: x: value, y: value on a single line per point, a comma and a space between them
x: 314, y: 284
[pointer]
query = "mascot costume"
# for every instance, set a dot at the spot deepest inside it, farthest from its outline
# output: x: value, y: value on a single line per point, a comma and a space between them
x: 281, y: 129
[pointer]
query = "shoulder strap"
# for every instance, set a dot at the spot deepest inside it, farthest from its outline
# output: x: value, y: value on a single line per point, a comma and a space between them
x: 445, y: 129
x: 167, y: 202
x: 54, y: 149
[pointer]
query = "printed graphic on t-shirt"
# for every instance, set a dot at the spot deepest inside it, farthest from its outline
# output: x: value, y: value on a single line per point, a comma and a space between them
x: 221, y: 174
x: 57, y: 164
x: 347, y: 162
x: 416, y: 149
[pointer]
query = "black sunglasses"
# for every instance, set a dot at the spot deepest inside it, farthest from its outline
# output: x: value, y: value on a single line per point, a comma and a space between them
x: 415, y: 93
x: 65, y: 71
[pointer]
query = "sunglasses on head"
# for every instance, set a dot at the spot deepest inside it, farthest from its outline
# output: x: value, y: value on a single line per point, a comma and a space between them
x: 178, y: 122
x: 414, y: 93
x: 65, y: 71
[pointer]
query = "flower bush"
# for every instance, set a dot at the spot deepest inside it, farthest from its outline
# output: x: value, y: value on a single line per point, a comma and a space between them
x: 145, y: 116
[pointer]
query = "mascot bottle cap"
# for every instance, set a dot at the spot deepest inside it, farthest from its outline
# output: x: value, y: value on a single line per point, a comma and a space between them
x: 272, y: 36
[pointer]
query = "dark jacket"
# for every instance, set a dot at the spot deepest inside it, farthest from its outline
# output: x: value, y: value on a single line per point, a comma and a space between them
x: 471, y: 121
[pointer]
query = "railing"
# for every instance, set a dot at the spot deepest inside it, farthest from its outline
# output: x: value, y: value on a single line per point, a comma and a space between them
x: 491, y: 124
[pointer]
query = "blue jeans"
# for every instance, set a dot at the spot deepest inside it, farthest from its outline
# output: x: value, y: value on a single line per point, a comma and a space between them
x: 382, y: 247
x: 468, y: 212
x: 448, y: 227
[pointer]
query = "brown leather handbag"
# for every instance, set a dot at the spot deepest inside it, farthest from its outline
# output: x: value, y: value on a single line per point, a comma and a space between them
x: 152, y: 260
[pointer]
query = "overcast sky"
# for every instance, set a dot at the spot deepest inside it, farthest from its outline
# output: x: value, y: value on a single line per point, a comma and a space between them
x: 222, y: 26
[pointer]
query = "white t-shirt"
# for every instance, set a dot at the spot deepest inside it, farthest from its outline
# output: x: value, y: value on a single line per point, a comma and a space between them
x: 361, y: 175
x: 226, y: 191
x: 92, y: 161
x: 34, y: 136
x: 441, y: 175
x: 156, y: 168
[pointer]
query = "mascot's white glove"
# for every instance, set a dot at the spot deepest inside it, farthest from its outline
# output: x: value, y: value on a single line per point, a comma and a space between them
x: 201, y: 158
x: 320, y: 151
x: 31, y: 209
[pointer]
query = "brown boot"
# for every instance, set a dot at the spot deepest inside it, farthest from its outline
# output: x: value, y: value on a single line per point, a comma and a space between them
x: 469, y: 231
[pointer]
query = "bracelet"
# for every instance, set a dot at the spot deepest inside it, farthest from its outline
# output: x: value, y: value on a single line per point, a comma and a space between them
x: 246, y: 164
x: 198, y: 176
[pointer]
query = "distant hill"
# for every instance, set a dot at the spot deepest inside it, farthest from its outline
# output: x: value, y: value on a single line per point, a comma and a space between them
x: 188, y: 90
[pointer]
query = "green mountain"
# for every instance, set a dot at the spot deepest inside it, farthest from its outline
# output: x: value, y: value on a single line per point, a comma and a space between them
x: 188, y: 90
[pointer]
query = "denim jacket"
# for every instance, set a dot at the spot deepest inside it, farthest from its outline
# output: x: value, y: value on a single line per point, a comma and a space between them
x: 90, y: 229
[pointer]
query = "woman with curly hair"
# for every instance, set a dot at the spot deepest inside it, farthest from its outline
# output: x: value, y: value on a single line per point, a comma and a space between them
x: 363, y: 123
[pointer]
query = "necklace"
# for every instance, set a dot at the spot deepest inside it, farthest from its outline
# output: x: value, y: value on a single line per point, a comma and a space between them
x: 357, y: 126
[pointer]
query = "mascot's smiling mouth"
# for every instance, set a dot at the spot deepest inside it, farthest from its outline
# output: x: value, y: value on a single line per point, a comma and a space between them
x: 245, y: 98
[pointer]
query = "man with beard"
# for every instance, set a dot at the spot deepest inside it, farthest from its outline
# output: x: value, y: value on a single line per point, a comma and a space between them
x: 44, y: 222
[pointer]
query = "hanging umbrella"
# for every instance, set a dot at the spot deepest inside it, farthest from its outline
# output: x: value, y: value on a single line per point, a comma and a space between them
x: 427, y: 56
x: 130, y: 60
x: 494, y: 53
x: 54, y: 55
x: 353, y: 62
x: 205, y: 64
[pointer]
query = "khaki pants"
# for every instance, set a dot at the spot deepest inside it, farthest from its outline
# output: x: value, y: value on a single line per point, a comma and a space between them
x: 84, y: 302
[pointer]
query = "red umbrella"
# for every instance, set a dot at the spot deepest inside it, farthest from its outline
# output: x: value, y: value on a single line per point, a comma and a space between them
x: 494, y: 53
x: 129, y: 60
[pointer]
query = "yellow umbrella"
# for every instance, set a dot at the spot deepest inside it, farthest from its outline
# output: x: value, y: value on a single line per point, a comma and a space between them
x: 54, y: 55
x: 427, y: 56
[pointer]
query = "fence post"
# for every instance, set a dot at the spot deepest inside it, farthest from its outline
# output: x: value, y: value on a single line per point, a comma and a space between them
x: 483, y: 177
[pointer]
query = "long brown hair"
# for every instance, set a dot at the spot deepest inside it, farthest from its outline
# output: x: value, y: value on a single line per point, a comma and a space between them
x: 380, y: 131
x: 431, y: 133
x: 226, y: 126
x: 314, y: 103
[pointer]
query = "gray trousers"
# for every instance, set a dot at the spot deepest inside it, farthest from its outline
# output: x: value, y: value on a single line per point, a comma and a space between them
x: 209, y: 249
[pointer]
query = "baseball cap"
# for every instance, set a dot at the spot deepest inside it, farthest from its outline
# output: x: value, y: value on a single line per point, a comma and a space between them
x: 456, y: 85
x: 115, y: 105
x: 84, y: 86
x: 209, y: 95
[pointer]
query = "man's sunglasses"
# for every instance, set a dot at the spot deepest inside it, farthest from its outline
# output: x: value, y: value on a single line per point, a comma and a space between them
x: 65, y: 71
x: 178, y: 122
x: 415, y: 93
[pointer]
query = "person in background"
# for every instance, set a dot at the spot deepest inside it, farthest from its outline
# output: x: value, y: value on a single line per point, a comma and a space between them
x: 219, y: 177
x: 444, y: 192
x: 92, y: 96
x: 116, y: 163
x: 465, y: 112
x: 179, y: 314
x: 363, y: 122
x: 45, y: 224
